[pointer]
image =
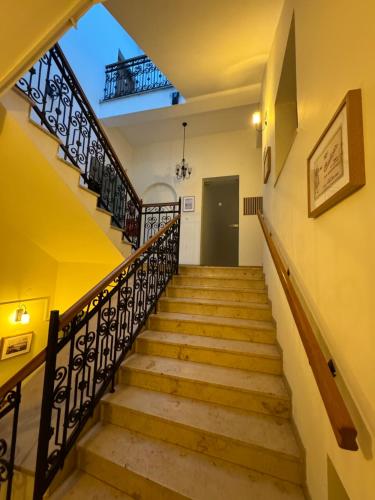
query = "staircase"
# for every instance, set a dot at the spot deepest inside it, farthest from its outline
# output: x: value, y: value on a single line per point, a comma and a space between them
x: 201, y: 409
x: 63, y: 176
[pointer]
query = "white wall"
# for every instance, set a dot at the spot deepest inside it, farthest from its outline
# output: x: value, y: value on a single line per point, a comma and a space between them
x: 331, y: 257
x: 121, y: 146
x: 135, y: 103
x: 224, y: 154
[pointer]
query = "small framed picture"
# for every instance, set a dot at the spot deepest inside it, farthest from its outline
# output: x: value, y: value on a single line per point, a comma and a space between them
x: 15, y: 346
x: 336, y: 165
x: 188, y: 203
x: 266, y: 163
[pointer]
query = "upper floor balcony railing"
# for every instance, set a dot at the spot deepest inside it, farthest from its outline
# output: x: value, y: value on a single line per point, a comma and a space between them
x: 133, y: 76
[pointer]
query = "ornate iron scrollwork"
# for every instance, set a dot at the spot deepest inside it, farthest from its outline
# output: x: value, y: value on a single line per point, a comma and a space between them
x: 156, y: 216
x: 9, y: 405
x: 133, y: 76
x: 61, y: 106
x: 92, y: 346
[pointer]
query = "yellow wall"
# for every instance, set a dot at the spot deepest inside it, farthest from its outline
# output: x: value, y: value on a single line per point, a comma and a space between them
x: 28, y: 275
x: 28, y: 29
x: 331, y: 257
x: 51, y: 246
x: 74, y: 279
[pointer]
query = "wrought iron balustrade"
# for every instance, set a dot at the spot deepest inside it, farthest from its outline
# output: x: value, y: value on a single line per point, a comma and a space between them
x: 133, y: 76
x: 60, y: 105
x: 156, y: 215
x: 86, y: 346
x: 9, y: 409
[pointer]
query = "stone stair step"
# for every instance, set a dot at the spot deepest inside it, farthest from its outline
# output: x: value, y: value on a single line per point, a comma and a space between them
x: 83, y: 486
x: 222, y: 272
x: 187, y: 280
x: 152, y: 469
x: 211, y: 326
x: 245, y: 355
x: 212, y: 307
x: 262, y: 443
x: 211, y: 292
x: 259, y: 392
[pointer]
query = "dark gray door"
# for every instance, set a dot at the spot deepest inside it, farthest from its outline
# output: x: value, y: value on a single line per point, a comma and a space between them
x: 219, y: 239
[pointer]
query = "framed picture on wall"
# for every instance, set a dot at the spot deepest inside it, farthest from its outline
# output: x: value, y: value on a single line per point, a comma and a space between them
x: 266, y: 163
x: 14, y: 346
x: 336, y: 165
x: 188, y: 203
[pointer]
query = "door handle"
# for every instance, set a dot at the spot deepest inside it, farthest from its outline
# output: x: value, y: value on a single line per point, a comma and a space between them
x: 233, y: 225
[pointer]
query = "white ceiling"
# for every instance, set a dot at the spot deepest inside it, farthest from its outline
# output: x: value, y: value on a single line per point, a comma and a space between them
x: 202, y: 46
x: 213, y: 51
x: 170, y: 128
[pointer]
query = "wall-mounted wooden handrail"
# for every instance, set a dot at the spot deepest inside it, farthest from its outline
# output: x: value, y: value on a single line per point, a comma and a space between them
x: 338, y: 414
x: 40, y: 358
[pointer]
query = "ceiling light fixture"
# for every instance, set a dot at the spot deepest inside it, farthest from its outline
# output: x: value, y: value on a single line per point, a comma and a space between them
x: 183, y: 171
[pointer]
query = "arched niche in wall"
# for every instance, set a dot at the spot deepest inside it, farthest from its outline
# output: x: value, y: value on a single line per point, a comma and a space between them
x: 159, y: 192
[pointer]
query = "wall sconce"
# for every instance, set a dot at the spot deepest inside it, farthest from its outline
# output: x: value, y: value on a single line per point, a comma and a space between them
x: 256, y: 120
x: 22, y: 316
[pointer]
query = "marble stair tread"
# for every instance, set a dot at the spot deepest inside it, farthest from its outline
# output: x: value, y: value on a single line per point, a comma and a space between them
x: 187, y: 473
x: 243, y: 380
x: 263, y: 291
x: 217, y: 320
x: 216, y: 302
x: 212, y: 278
x: 232, y: 346
x: 225, y: 268
x: 252, y: 429
x: 216, y: 271
x: 83, y: 486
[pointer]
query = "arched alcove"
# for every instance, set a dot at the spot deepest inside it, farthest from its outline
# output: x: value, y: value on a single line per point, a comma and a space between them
x: 159, y: 192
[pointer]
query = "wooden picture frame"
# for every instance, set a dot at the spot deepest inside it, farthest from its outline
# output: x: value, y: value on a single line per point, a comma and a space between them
x: 336, y: 165
x: 188, y: 203
x: 16, y: 345
x: 266, y: 164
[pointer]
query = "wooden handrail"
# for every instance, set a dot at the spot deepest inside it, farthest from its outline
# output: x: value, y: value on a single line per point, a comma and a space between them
x: 23, y: 373
x: 69, y: 314
x: 164, y: 204
x: 338, y: 414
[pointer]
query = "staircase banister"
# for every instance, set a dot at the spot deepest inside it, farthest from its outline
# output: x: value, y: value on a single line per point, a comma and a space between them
x: 338, y: 414
x: 97, y: 123
x: 23, y: 373
x: 164, y: 204
x: 39, y: 359
x: 70, y: 313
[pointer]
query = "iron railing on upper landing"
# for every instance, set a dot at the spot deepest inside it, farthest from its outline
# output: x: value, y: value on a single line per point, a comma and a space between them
x: 86, y: 346
x: 156, y: 215
x: 60, y: 105
x: 133, y: 76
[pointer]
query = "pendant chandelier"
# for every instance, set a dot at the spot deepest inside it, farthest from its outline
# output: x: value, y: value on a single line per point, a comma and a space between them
x: 183, y: 171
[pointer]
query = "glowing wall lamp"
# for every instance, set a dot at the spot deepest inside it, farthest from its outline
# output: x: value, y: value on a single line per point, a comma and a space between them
x: 22, y: 316
x: 256, y: 120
